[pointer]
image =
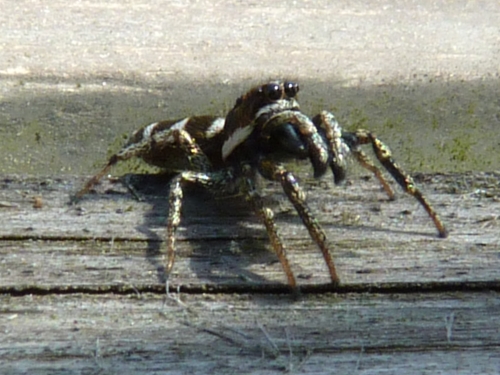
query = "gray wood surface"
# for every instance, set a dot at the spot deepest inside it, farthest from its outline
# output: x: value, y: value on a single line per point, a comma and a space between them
x: 83, y: 285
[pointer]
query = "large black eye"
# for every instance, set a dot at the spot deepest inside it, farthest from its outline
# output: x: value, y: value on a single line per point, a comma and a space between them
x: 273, y: 91
x: 291, y: 89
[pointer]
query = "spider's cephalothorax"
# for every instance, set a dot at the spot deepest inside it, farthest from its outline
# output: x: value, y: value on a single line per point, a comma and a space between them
x: 266, y: 123
x: 264, y: 129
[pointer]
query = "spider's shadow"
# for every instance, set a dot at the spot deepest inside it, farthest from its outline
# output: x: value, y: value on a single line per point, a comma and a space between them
x: 227, y: 219
x: 213, y: 229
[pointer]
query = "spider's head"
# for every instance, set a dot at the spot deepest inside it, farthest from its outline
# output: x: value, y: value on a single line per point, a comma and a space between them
x: 267, y: 120
x: 254, y: 108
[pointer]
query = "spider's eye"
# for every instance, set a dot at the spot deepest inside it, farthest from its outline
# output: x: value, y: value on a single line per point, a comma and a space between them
x: 291, y: 89
x: 273, y: 91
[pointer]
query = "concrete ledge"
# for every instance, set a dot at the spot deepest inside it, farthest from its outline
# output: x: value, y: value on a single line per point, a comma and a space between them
x: 75, y: 78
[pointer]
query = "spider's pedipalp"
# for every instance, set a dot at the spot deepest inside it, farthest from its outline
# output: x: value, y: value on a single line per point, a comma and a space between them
x: 312, y: 145
x: 331, y: 131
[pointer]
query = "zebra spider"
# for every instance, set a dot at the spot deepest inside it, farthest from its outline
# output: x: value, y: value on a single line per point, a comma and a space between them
x: 263, y: 130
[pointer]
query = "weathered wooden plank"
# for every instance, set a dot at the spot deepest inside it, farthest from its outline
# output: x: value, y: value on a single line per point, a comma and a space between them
x: 454, y: 333
x: 110, y: 243
x: 113, y: 240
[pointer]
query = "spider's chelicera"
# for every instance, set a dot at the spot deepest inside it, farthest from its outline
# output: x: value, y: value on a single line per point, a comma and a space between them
x: 263, y: 130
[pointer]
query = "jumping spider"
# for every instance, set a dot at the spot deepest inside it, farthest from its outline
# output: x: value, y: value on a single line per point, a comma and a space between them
x: 264, y: 129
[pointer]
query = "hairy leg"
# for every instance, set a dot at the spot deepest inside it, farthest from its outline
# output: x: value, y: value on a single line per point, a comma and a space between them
x: 384, y: 155
x: 296, y: 195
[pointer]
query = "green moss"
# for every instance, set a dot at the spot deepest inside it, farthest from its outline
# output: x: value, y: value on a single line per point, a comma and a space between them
x: 69, y: 126
x: 357, y: 119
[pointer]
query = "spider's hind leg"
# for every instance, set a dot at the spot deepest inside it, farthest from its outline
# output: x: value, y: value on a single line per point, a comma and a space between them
x: 384, y: 155
x: 97, y: 177
x: 127, y: 152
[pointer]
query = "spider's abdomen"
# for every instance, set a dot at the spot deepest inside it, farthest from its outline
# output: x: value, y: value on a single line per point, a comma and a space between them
x: 161, y: 148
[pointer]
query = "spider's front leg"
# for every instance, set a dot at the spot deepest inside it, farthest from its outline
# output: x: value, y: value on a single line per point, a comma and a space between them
x: 384, y: 155
x: 341, y: 146
x: 296, y: 195
x: 342, y: 143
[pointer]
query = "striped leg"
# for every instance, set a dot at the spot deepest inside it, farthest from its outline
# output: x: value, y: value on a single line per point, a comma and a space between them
x: 367, y: 163
x: 331, y: 131
x: 213, y: 181
x: 384, y: 155
x: 296, y: 195
x: 267, y: 217
x: 174, y: 219
x: 96, y: 178
x: 139, y: 144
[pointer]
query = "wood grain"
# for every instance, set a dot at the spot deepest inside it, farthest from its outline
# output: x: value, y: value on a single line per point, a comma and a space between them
x: 83, y: 288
